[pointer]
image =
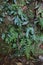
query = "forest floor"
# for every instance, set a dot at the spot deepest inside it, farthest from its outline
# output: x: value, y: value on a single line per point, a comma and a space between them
x: 6, y: 60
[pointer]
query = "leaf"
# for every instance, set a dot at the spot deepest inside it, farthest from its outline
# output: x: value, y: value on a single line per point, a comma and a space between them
x: 28, y: 48
x: 10, y: 12
x: 3, y: 36
x: 25, y: 23
x: 30, y: 31
x: 20, y: 11
x: 22, y: 42
x: 31, y: 14
x: 14, y: 45
x: 1, y: 20
x: 19, y: 63
x: 41, y: 22
x: 15, y: 1
x: 7, y: 40
x: 41, y: 37
x: 37, y: 6
x: 27, y: 51
x: 40, y: 10
x: 42, y: 14
x: 17, y: 21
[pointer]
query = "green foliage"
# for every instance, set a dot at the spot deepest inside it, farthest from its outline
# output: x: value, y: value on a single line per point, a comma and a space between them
x: 1, y: 20
x: 22, y: 34
x: 10, y: 36
x: 28, y: 48
x: 41, y: 22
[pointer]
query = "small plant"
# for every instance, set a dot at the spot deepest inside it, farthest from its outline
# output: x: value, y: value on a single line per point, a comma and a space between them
x: 24, y: 33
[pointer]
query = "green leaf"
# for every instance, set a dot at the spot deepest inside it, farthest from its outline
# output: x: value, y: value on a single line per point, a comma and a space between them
x: 15, y: 1
x: 41, y: 22
x: 14, y: 45
x: 27, y: 51
x: 41, y: 37
x: 17, y: 21
x: 30, y: 31
x: 3, y: 36
x: 1, y: 20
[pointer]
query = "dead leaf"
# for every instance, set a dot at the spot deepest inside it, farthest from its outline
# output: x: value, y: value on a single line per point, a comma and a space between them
x: 19, y: 63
